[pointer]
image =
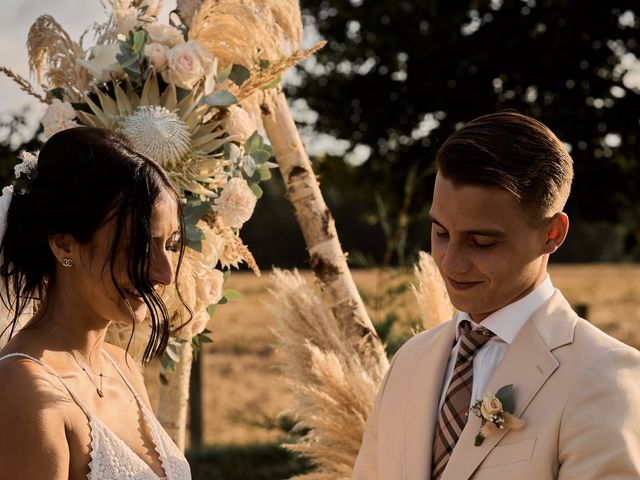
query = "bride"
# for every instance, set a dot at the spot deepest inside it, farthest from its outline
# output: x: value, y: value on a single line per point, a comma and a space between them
x: 89, y: 233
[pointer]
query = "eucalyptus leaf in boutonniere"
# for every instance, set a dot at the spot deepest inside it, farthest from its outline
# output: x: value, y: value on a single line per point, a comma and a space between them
x: 495, y: 412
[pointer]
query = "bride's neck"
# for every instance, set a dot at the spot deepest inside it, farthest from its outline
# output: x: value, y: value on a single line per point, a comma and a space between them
x: 74, y: 326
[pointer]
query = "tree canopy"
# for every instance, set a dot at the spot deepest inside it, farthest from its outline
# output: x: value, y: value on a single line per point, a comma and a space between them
x: 398, y: 76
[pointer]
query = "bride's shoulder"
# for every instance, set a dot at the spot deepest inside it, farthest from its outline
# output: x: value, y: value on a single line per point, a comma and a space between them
x: 26, y: 385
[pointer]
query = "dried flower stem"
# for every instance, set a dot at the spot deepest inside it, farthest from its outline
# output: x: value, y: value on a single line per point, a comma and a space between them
x: 24, y: 85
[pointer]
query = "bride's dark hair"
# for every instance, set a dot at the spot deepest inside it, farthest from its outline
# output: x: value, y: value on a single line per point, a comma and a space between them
x: 85, y: 177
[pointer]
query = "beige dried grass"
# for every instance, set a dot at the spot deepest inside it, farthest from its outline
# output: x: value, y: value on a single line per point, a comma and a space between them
x: 430, y: 293
x: 332, y: 391
x: 52, y: 58
x: 225, y: 26
x: 234, y: 251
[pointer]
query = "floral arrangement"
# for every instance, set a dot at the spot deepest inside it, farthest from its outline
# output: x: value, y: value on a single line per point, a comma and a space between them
x: 181, y: 104
x: 495, y: 412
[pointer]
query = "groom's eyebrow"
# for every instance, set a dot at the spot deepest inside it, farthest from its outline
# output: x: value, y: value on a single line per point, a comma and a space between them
x: 483, y: 232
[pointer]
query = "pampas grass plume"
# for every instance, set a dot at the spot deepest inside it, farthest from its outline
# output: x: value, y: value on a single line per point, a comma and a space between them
x: 430, y: 293
x: 332, y: 391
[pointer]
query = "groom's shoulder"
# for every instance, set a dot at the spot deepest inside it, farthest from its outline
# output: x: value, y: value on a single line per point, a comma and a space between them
x: 426, y: 339
x: 593, y: 341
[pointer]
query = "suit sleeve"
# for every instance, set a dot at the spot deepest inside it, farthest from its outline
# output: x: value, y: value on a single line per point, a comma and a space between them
x: 600, y: 430
x: 366, y: 466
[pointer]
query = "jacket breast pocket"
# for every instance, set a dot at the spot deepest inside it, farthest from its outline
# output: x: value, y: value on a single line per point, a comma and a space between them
x: 507, y: 454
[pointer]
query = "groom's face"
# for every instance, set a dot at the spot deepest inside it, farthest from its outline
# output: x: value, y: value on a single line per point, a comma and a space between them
x: 487, y: 249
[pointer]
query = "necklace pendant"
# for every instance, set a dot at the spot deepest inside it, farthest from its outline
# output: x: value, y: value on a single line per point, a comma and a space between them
x: 100, y: 394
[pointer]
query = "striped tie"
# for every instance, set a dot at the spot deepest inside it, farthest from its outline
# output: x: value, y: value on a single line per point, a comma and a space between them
x: 455, y: 408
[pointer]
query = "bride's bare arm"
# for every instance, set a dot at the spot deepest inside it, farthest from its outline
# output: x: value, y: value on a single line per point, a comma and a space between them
x: 33, y: 442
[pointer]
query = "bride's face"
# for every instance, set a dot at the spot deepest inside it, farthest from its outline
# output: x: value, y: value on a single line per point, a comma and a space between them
x: 100, y: 284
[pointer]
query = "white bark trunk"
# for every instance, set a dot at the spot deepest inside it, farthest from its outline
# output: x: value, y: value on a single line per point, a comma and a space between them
x: 327, y: 259
x: 174, y: 397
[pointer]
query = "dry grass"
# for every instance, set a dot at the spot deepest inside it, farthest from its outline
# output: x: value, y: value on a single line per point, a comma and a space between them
x: 242, y: 385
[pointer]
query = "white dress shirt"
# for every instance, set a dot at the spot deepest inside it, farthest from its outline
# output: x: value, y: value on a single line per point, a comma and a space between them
x: 505, y: 323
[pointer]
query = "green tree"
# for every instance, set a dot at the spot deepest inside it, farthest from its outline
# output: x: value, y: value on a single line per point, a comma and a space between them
x: 398, y: 76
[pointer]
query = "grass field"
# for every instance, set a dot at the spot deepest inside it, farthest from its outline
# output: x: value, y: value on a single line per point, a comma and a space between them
x: 243, y: 391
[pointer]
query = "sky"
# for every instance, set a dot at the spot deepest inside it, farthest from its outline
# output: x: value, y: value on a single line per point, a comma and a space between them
x: 16, y: 17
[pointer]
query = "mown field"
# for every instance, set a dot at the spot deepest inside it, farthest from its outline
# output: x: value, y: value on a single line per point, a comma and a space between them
x: 244, y: 392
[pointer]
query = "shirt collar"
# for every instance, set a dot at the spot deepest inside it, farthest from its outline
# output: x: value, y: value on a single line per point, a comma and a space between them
x: 507, y: 322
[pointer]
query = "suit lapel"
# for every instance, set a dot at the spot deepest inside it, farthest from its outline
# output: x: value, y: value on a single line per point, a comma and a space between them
x: 527, y: 365
x: 427, y: 372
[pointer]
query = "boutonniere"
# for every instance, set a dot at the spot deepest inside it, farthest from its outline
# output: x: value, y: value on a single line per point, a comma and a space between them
x: 495, y: 412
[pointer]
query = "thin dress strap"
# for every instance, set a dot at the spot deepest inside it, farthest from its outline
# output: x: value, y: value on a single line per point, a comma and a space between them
x: 124, y: 379
x: 52, y: 372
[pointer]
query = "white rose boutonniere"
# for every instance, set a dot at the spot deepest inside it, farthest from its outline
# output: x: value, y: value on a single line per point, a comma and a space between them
x: 495, y: 412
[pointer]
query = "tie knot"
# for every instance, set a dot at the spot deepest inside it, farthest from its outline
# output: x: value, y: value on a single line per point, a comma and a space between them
x: 471, y: 340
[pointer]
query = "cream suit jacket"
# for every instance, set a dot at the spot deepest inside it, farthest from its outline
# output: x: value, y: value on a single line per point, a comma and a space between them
x: 577, y: 389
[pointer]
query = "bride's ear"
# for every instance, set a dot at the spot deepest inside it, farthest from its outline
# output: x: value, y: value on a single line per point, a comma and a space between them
x: 62, y: 246
x: 556, y: 232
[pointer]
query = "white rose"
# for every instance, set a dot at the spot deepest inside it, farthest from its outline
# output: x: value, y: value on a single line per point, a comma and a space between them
x: 239, y: 124
x: 210, y: 287
x: 236, y: 203
x: 103, y: 62
x: 185, y: 67
x: 59, y: 116
x: 199, y: 322
x: 157, y: 55
x: 165, y: 34
x: 490, y: 406
x: 209, y: 64
x: 208, y: 258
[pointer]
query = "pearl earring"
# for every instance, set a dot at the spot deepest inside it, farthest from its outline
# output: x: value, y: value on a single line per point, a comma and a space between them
x: 67, y: 262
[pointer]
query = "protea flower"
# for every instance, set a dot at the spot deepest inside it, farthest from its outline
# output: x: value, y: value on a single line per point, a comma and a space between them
x: 181, y: 135
x: 158, y: 133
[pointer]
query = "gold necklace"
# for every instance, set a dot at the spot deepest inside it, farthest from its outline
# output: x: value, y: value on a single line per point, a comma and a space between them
x: 84, y: 369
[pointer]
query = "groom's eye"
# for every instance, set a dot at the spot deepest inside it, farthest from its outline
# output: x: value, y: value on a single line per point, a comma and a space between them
x: 483, y: 243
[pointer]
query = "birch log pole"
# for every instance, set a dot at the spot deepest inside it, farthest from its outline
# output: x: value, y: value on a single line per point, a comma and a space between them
x: 327, y: 259
x: 174, y: 394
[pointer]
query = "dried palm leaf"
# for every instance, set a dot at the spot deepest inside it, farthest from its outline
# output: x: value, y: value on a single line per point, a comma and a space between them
x: 332, y: 391
x: 52, y: 58
x: 431, y: 294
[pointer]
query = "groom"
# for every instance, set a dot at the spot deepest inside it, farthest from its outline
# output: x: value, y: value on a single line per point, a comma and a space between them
x: 502, y: 183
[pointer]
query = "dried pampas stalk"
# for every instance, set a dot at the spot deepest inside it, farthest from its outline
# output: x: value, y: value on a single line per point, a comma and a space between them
x: 431, y: 294
x: 24, y: 85
x: 225, y: 26
x: 332, y: 390
x: 52, y: 57
x: 260, y: 77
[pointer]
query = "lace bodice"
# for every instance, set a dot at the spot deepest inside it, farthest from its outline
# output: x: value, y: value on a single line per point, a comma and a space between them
x: 111, y: 458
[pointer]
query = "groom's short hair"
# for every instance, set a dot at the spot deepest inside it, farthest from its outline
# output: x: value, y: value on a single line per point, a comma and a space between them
x: 513, y: 152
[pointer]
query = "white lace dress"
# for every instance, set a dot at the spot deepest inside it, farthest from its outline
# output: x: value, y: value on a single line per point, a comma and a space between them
x: 111, y: 458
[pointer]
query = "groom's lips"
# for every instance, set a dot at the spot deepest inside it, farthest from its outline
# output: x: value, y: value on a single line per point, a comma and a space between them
x: 461, y: 285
